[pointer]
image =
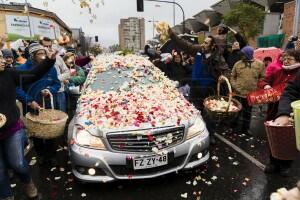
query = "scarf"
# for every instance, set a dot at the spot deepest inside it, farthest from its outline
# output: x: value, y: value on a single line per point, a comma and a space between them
x: 290, y: 67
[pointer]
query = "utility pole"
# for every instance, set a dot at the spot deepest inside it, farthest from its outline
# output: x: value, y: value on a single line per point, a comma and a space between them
x: 174, y: 15
x: 153, y: 26
x: 296, y: 18
x: 28, y: 17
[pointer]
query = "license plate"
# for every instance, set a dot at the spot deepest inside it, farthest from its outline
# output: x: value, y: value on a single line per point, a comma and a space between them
x: 150, y: 162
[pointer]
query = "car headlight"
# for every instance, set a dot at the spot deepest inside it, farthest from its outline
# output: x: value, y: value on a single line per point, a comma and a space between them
x: 84, y: 138
x: 196, y: 129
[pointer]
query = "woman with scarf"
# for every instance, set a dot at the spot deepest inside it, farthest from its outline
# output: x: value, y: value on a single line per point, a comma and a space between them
x: 244, y: 78
x: 12, y: 134
x: 288, y: 72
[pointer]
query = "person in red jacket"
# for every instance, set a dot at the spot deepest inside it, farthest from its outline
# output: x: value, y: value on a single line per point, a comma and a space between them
x: 288, y: 72
x: 274, y: 66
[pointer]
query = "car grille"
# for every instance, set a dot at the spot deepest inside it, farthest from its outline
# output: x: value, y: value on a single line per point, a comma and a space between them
x: 132, y: 142
x: 128, y: 168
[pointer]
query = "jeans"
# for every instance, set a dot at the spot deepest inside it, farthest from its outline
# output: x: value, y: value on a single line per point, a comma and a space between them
x: 12, y: 156
x: 60, y: 101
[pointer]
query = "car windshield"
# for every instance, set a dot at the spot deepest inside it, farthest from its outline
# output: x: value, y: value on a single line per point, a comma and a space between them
x: 114, y: 79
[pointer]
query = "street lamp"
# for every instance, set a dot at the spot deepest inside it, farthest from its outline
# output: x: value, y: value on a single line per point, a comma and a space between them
x: 140, y: 8
x: 153, y: 25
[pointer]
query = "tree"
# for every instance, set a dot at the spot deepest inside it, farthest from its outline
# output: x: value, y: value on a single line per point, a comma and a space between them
x: 114, y: 47
x: 96, y: 49
x: 247, y: 17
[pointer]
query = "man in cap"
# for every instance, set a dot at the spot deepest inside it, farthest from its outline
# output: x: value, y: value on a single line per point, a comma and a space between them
x: 31, y: 96
x: 245, y: 75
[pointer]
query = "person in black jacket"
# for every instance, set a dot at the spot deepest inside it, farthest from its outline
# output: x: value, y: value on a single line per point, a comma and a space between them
x: 234, y: 55
x: 12, y: 135
x: 177, y: 71
x: 290, y: 94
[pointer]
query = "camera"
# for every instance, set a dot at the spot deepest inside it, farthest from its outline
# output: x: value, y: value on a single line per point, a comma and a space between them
x: 223, y: 29
x: 294, y: 38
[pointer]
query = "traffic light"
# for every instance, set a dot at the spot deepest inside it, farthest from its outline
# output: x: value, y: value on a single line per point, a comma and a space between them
x: 140, y: 5
x: 96, y: 38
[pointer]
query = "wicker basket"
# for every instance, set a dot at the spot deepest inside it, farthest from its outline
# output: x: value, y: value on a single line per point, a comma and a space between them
x: 39, y: 126
x: 282, y: 141
x: 218, y: 115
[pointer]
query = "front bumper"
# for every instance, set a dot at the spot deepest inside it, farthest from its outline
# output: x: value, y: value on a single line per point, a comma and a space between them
x: 111, y: 166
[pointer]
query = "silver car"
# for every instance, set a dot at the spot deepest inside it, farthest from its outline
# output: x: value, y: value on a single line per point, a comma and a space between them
x: 101, y: 154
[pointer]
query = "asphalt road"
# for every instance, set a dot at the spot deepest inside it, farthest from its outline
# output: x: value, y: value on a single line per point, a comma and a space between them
x: 227, y: 176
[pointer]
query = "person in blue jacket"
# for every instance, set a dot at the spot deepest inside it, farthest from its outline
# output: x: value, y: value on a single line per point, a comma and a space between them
x: 31, y: 96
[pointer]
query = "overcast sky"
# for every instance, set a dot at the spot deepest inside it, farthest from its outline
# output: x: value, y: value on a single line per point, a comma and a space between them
x: 109, y: 14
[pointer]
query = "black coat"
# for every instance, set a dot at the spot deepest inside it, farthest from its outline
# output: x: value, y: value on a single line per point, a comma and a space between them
x: 178, y: 72
x: 290, y: 94
x: 233, y: 57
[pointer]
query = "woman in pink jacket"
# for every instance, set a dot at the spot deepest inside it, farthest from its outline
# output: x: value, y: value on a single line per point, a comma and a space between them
x: 274, y: 66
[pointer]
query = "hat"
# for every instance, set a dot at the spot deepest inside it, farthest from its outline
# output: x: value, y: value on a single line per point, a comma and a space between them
x: 248, y: 51
x: 34, y: 47
x: 68, y: 55
x: 7, y: 53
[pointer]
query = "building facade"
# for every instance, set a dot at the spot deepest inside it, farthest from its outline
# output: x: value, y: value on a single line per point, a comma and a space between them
x: 132, y: 33
x: 18, y: 21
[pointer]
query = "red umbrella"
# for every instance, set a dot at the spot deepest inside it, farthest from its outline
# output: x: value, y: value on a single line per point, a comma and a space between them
x: 272, y: 52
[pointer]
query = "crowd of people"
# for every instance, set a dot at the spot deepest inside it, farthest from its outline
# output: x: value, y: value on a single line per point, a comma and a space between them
x: 35, y: 70
x: 29, y: 73
x: 197, y: 67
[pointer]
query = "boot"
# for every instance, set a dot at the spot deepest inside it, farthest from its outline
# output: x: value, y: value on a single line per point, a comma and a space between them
x: 271, y: 168
x: 285, y: 168
x: 31, y: 190
x: 285, y: 172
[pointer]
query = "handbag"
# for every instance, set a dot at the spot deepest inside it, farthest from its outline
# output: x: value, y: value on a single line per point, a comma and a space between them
x: 266, y: 96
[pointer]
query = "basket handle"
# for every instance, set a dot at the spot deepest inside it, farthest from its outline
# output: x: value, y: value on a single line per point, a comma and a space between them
x: 223, y: 78
x: 51, y: 101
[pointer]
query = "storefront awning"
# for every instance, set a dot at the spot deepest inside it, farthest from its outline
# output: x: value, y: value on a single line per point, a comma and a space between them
x: 271, y: 41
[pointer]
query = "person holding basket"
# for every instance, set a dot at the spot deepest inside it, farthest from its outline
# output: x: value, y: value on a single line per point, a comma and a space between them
x: 209, y: 65
x: 288, y: 72
x: 284, y: 118
x: 12, y: 135
x: 31, y: 96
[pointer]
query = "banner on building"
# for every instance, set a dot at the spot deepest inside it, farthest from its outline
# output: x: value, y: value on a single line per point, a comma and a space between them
x: 18, y: 28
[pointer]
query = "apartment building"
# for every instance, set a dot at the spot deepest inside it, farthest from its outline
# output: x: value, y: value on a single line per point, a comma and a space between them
x: 132, y: 33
